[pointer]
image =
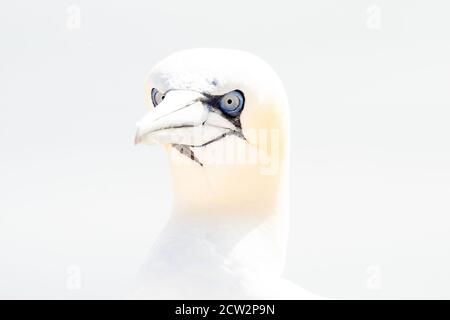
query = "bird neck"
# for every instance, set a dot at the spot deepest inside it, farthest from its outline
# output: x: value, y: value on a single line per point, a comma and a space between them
x: 256, y: 244
x: 240, y: 209
x: 236, y: 177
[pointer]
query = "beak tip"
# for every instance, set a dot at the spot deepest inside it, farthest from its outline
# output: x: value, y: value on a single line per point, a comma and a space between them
x: 137, y: 138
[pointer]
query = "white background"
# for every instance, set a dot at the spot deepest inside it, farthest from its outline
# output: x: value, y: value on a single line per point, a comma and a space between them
x: 368, y: 83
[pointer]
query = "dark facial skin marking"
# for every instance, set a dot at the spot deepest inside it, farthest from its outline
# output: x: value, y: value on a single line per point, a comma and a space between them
x: 212, y: 101
x: 185, y: 150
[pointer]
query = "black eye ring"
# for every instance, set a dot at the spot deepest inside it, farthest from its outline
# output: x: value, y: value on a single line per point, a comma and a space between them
x: 232, y: 103
x: 157, y: 96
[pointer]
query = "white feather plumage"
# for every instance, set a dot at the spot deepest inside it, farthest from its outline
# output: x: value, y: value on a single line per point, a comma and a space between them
x: 226, y: 238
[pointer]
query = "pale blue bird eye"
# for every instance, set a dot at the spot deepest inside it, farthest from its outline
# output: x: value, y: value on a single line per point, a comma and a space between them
x: 157, y: 96
x: 232, y: 103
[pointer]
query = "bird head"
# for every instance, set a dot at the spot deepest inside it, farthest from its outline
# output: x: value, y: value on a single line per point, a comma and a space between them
x: 222, y: 114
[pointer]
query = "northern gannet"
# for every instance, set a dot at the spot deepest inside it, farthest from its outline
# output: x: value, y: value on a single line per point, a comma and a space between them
x: 223, y: 117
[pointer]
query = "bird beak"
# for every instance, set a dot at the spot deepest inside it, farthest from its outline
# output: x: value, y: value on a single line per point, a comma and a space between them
x: 181, y: 118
